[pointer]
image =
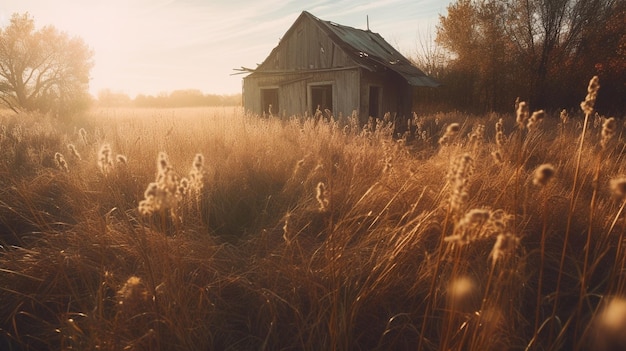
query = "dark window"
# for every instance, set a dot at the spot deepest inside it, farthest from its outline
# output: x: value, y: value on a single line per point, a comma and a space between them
x: 374, y: 102
x: 269, y: 101
x: 321, y: 97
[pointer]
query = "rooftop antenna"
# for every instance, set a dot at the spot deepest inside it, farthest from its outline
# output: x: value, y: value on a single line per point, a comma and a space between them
x: 367, y: 17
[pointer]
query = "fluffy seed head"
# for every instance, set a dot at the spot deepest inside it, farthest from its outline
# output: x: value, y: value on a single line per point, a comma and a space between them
x: 163, y: 163
x: 534, y: 120
x: 132, y: 298
x: 105, y: 161
x: 543, y: 174
x: 198, y: 161
x: 152, y: 190
x: 461, y: 286
x: 60, y: 161
x: 461, y: 169
x: 73, y: 151
x: 500, y: 125
x: 183, y: 186
x: 505, y: 245
x: 564, y: 116
x: 522, y: 114
x: 479, y: 224
x: 618, y: 186
x: 196, y: 174
x: 609, y: 325
x: 497, y: 157
x: 592, y: 93
x: 478, y: 133
x: 470, y: 227
x: 121, y: 159
x: 165, y: 192
x: 608, y: 131
x: 451, y: 131
x: 453, y: 128
x: 322, y: 196
x: 500, y: 138
x: 145, y: 207
x: 461, y: 291
x: 83, y: 134
x: 614, y: 315
x: 475, y: 217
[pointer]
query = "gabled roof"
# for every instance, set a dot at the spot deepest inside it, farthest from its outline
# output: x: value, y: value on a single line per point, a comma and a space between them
x: 369, y: 50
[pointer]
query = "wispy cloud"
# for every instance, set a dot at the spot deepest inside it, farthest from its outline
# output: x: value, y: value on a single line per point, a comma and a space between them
x: 149, y: 46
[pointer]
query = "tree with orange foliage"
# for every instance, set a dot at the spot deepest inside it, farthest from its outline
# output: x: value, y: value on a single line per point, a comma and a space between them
x: 42, y: 70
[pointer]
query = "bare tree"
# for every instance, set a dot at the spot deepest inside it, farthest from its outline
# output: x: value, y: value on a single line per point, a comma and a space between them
x: 429, y: 56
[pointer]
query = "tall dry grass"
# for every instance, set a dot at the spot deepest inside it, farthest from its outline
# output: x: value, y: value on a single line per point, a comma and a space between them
x: 466, y: 233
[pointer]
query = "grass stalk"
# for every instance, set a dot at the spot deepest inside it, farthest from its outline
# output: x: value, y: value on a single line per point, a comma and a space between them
x: 570, y: 216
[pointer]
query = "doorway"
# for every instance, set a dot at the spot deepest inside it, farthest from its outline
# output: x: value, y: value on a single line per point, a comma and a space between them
x: 269, y: 101
x: 375, y: 99
x: 321, y: 97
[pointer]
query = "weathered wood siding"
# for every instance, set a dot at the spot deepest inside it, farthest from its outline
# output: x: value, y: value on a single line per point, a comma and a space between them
x: 305, y: 47
x: 293, y: 90
x: 307, y: 56
x: 396, y: 94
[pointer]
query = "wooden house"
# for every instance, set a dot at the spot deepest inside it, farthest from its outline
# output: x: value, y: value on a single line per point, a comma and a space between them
x: 343, y: 69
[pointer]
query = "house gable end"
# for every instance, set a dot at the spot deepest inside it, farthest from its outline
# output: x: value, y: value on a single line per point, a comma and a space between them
x: 313, y: 44
x: 306, y: 46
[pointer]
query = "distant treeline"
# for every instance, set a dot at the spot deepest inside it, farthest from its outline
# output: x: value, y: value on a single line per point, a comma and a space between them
x: 177, y: 98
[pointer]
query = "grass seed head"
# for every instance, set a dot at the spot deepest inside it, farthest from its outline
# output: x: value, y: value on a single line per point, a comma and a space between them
x: 73, y: 151
x: 196, y: 174
x: 166, y: 192
x: 564, y: 117
x: 618, y: 186
x: 534, y: 120
x: 470, y: 226
x: 608, y: 131
x: 451, y: 131
x: 121, y: 159
x: 83, y: 135
x: 60, y: 162
x: 543, y: 174
x: 505, y: 244
x: 105, y: 161
x: 322, y: 196
x: 459, y: 173
x: 145, y: 207
x: 183, y: 186
x: 592, y: 93
x: 614, y: 315
x: 500, y: 125
x: 609, y: 325
x: 460, y: 292
x: 132, y: 298
x: 500, y: 138
x: 478, y: 133
x: 163, y: 164
x: 198, y: 162
x: 497, y: 157
x: 522, y: 114
x: 152, y: 190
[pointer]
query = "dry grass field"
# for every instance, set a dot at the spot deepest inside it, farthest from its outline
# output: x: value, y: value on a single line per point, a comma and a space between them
x: 211, y: 229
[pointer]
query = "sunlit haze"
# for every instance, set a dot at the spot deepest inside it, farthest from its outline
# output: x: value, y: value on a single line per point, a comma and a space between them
x: 150, y: 47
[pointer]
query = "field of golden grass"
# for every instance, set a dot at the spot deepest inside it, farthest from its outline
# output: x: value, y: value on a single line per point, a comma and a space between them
x: 211, y: 229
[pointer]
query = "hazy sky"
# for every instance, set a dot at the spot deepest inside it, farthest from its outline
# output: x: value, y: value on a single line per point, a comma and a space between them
x: 153, y: 46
